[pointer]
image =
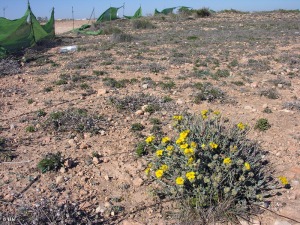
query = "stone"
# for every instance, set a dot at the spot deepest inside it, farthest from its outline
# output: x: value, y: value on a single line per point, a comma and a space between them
x: 137, y: 182
x: 248, y: 107
x: 62, y: 170
x: 72, y: 143
x: 100, y: 209
x: 179, y: 102
x: 144, y: 107
x: 139, y: 112
x: 106, y: 177
x: 12, y: 126
x: 68, y: 163
x: 8, y: 198
x: 95, y: 160
x: 280, y: 85
x: 107, y: 204
x: 59, y: 179
x: 102, y: 132
x: 145, y: 86
x: 83, y: 192
x: 87, y: 135
x: 106, y: 160
x: 254, y: 85
x: 281, y: 222
x: 101, y: 92
x: 83, y: 145
x: 265, y: 106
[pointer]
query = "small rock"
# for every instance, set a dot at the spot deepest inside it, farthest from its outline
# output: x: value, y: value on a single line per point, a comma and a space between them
x: 59, y: 179
x: 106, y: 160
x: 265, y: 106
x: 87, y: 135
x: 281, y: 222
x: 144, y: 107
x: 68, y: 163
x: 83, y: 192
x: 280, y: 85
x: 139, y: 112
x: 102, y: 132
x: 95, y: 160
x: 137, y: 182
x: 248, y: 107
x: 112, y: 213
x: 145, y: 86
x: 101, y: 92
x: 72, y: 143
x: 62, y: 170
x: 100, y: 209
x: 106, y: 177
x: 12, y: 126
x: 179, y: 102
x: 107, y: 204
x: 83, y: 146
x: 254, y: 85
x: 8, y: 198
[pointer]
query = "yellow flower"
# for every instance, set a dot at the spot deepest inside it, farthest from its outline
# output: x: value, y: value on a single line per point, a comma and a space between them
x: 189, y: 151
x: 147, y: 171
x: 184, y: 146
x: 213, y: 145
x: 179, y: 181
x: 190, y: 176
x: 184, y: 134
x: 227, y: 160
x: 203, y: 146
x: 164, y: 167
x: 191, y: 160
x: 159, y: 173
x: 150, y: 139
x: 204, y: 113
x: 193, y: 144
x: 177, y: 117
x: 241, y: 126
x: 170, y: 148
x: 283, y: 180
x: 216, y: 112
x: 165, y: 140
x: 247, y: 166
x: 159, y: 153
x: 180, y: 141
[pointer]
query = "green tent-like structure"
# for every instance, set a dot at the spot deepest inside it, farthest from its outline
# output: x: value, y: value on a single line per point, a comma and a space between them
x: 108, y: 15
x: 165, y: 11
x: 18, y: 34
x: 136, y: 15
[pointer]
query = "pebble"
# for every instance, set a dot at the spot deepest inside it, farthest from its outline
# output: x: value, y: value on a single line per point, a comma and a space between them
x: 107, y: 204
x: 101, y: 92
x: 83, y: 146
x: 102, y: 132
x: 100, y: 209
x: 280, y: 85
x: 12, y: 126
x: 139, y: 112
x: 144, y: 107
x: 248, y: 107
x: 69, y: 163
x: 62, y: 170
x: 95, y: 160
x: 59, y: 179
x: 145, y: 86
x: 72, y: 143
x: 179, y: 102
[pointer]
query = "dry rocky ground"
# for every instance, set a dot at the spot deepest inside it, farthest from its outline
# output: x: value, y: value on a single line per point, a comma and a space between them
x: 248, y: 62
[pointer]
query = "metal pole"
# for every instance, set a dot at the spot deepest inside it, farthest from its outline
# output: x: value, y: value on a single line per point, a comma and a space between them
x: 73, y: 17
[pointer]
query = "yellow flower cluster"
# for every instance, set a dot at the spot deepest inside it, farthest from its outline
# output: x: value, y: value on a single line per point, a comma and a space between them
x: 148, y: 169
x: 159, y: 153
x: 150, y: 139
x: 241, y: 126
x: 213, y: 145
x: 189, y: 151
x: 247, y: 166
x: 182, y: 137
x: 204, y: 114
x: 165, y: 140
x: 179, y: 181
x: 164, y: 167
x: 227, y: 161
x: 159, y: 173
x: 190, y: 176
x: 177, y: 117
x: 283, y: 180
x: 217, y: 112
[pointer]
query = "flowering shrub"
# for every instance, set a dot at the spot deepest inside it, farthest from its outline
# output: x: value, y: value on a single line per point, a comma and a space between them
x: 210, y: 162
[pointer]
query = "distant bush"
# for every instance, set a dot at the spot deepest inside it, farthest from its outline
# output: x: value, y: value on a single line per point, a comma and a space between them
x: 142, y: 24
x: 204, y: 12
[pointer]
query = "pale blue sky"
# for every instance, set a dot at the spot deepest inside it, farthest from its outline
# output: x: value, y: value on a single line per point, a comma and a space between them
x: 83, y: 8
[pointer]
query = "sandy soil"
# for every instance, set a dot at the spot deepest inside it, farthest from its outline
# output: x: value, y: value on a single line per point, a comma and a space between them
x: 252, y: 58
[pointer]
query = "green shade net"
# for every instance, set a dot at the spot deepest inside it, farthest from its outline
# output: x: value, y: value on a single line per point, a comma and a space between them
x: 25, y: 32
x: 136, y: 15
x: 109, y: 14
x: 165, y: 11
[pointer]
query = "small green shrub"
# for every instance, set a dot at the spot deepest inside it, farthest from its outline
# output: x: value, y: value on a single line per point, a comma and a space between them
x: 48, y: 89
x: 267, y: 110
x: 220, y: 74
x: 51, y: 162
x: 137, y: 127
x: 99, y: 72
x: 60, y: 82
x: 238, y: 83
x: 121, y: 37
x: 152, y: 108
x: 270, y: 93
x: 208, y: 92
x: 213, y: 170
x: 167, y: 99
x: 142, y: 24
x: 30, y: 101
x: 262, y: 124
x: 111, y: 82
x: 41, y: 113
x: 167, y: 85
x: 204, y: 12
x: 6, y: 153
x: 155, y: 121
x: 141, y: 149
x: 30, y: 129
x: 84, y: 86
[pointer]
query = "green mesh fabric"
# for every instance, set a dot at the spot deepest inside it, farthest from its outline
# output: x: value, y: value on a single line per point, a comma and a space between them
x: 109, y: 14
x: 165, y: 11
x: 136, y: 15
x: 21, y: 33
